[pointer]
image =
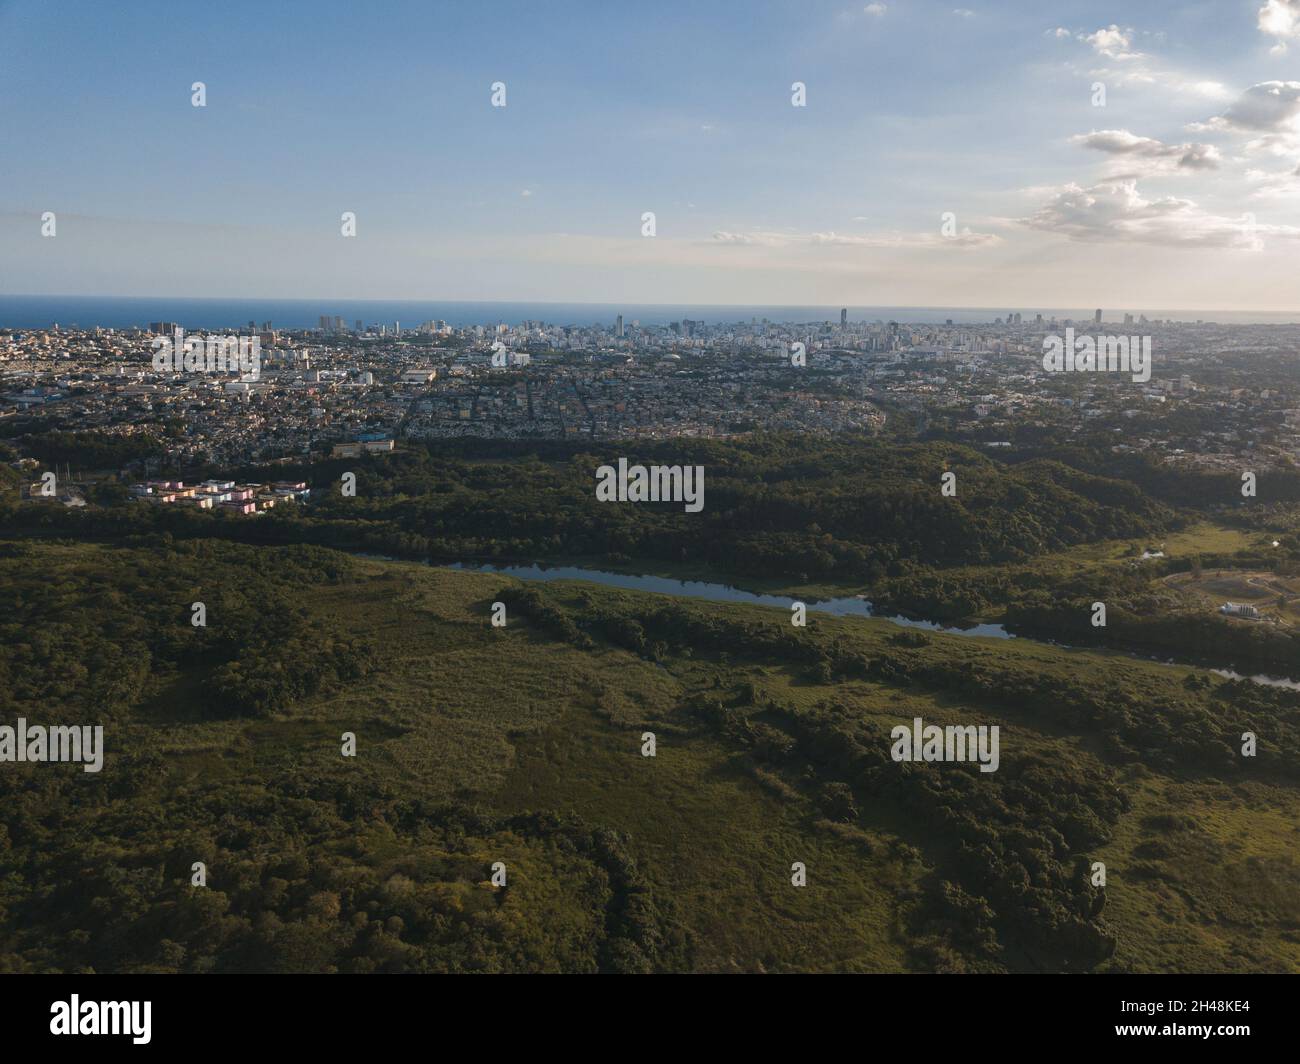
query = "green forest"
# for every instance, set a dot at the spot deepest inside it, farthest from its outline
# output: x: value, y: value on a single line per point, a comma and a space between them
x: 1015, y: 545
x: 522, y: 746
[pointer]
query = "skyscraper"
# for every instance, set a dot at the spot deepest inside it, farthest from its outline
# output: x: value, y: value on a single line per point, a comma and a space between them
x: 844, y: 317
x: 618, y: 328
x: 1097, y: 317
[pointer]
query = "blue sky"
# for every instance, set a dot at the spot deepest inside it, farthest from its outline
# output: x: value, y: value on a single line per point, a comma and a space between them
x: 1181, y: 191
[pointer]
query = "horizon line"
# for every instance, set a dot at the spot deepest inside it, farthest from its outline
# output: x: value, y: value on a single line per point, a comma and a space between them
x: 603, y: 303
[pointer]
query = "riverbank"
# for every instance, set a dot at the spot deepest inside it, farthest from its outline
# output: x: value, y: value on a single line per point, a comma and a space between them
x: 840, y: 606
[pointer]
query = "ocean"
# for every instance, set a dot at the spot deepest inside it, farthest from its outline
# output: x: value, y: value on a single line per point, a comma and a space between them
x: 38, y: 312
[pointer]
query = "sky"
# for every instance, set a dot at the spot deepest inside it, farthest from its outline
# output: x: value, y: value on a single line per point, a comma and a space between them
x: 1008, y: 154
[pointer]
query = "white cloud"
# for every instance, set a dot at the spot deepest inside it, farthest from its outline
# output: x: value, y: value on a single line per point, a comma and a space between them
x: 963, y: 12
x: 1138, y: 68
x: 1274, y: 186
x: 750, y: 239
x: 1134, y: 156
x: 1112, y: 42
x: 1268, y: 107
x: 1270, y: 113
x: 875, y: 10
x: 1280, y: 19
x: 1145, y: 75
x: 965, y: 240
x: 1116, y: 212
x: 1215, y: 90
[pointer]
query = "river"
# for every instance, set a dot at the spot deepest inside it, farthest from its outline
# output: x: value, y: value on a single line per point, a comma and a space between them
x: 848, y: 606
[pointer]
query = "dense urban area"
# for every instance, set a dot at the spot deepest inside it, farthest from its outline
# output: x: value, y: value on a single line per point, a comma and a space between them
x: 1218, y: 396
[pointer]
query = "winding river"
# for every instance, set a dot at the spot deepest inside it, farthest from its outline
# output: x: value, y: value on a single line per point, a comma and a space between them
x: 848, y: 606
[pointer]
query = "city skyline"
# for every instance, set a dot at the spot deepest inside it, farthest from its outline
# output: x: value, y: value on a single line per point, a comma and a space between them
x: 944, y: 156
x: 43, y: 312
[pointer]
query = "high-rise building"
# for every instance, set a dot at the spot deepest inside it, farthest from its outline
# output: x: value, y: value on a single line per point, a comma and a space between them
x: 844, y: 317
x: 359, y: 329
x: 1097, y: 317
x: 618, y: 327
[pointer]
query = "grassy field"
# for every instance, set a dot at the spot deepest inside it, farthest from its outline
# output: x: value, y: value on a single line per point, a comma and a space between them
x: 1276, y: 597
x: 501, y: 725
